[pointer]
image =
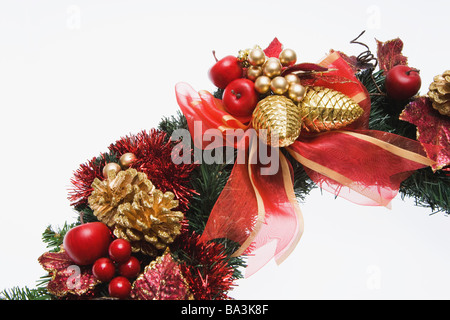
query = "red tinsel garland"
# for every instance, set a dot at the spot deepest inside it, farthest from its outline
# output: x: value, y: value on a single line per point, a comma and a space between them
x: 82, y: 180
x: 153, y: 152
x: 207, y: 272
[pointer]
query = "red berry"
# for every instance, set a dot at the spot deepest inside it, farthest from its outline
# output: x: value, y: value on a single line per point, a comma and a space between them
x: 225, y: 71
x: 402, y: 82
x: 119, y: 287
x: 130, y: 268
x: 104, y: 269
x: 120, y: 250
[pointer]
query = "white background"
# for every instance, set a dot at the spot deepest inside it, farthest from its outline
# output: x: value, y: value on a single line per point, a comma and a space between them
x: 77, y: 75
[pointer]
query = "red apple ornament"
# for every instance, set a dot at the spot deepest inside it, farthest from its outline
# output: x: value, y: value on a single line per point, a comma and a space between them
x: 87, y: 242
x: 402, y: 82
x: 225, y: 71
x: 240, y: 98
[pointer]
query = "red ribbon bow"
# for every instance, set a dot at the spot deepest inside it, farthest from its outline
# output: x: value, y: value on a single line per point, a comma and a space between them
x: 364, y: 166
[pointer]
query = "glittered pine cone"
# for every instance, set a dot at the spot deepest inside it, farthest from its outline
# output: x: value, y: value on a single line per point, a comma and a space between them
x: 116, y: 189
x: 278, y: 115
x: 130, y: 205
x: 439, y: 93
x: 324, y: 109
x: 148, y: 222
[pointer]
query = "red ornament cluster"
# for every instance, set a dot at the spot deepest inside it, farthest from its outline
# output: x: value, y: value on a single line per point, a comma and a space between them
x: 121, y: 262
x: 239, y: 97
x: 91, y: 244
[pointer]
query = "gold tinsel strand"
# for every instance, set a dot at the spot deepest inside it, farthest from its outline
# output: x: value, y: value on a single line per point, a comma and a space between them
x: 278, y: 115
x: 324, y: 109
x: 439, y: 93
x: 136, y: 211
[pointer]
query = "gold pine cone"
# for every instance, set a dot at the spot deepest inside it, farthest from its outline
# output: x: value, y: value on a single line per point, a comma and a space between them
x: 278, y: 115
x: 440, y: 93
x: 135, y: 210
x: 324, y: 109
x: 116, y: 189
x: 149, y: 223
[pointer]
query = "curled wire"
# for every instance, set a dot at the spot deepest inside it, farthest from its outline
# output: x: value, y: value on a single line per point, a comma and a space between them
x: 366, y: 57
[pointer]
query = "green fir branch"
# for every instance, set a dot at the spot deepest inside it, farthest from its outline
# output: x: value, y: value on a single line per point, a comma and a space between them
x: 172, y: 123
x: 25, y: 293
x: 54, y: 238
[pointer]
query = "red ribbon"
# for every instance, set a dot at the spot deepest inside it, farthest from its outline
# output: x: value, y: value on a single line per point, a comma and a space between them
x: 260, y: 212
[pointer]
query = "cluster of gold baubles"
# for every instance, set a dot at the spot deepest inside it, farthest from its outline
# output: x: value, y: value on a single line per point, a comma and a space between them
x: 288, y: 107
x: 266, y: 73
x: 125, y: 161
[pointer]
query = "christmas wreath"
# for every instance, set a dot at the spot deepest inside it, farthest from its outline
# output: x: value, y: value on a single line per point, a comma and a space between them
x: 179, y: 211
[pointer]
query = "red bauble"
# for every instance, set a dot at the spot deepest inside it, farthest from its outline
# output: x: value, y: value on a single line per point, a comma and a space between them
x: 131, y: 268
x: 402, y: 82
x: 103, y: 269
x: 119, y: 287
x: 225, y: 71
x: 120, y: 250
x: 87, y: 242
x: 240, y: 98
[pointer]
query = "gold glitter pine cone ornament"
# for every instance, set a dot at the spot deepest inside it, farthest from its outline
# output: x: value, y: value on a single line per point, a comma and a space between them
x: 118, y: 188
x: 129, y: 203
x: 324, y: 109
x: 279, y: 116
x: 149, y: 223
x: 439, y: 93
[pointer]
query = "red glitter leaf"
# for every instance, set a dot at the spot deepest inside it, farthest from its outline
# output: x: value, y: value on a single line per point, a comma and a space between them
x: 67, y: 277
x: 433, y: 129
x: 390, y: 54
x: 304, y: 67
x: 274, y: 49
x: 161, y: 280
x: 309, y: 79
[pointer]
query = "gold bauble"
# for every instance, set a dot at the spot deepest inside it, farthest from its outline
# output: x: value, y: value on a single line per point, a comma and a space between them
x: 279, y: 85
x: 292, y: 78
x: 279, y: 116
x: 324, y: 109
x: 126, y: 160
x: 296, y: 92
x: 272, y: 68
x: 253, y: 72
x: 256, y: 57
x: 288, y: 57
x: 439, y: 93
x: 262, y: 84
x: 112, y: 166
